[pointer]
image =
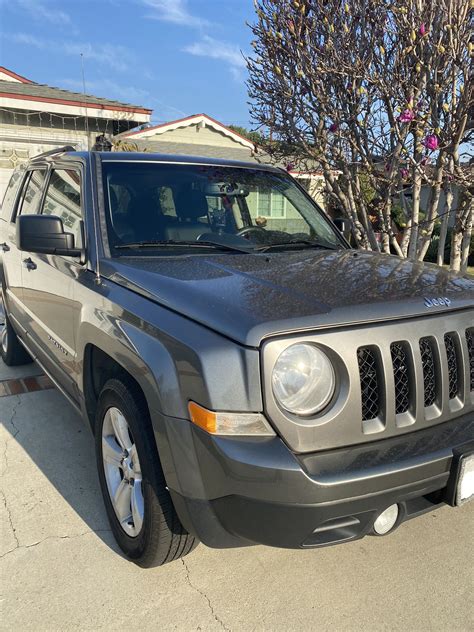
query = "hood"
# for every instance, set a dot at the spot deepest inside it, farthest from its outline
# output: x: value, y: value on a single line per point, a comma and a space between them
x: 250, y: 297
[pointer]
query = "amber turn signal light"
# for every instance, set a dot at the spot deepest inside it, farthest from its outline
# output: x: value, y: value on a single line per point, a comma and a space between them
x: 218, y: 423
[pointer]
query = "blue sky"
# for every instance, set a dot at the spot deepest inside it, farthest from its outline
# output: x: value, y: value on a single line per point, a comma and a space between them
x: 179, y: 57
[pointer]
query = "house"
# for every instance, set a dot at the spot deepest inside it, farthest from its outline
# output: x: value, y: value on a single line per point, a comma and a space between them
x: 201, y: 135
x: 35, y: 118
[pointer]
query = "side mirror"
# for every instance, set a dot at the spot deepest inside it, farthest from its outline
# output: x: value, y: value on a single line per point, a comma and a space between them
x: 44, y: 234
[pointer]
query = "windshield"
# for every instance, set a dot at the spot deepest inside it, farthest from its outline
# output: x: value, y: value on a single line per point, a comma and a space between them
x: 153, y: 206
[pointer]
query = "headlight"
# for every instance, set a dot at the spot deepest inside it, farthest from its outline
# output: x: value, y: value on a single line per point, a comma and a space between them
x: 303, y: 379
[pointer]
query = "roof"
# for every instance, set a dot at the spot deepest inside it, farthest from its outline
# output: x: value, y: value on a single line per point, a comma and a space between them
x: 24, y: 89
x: 123, y: 156
x: 210, y: 151
x: 194, y: 119
x: 13, y: 76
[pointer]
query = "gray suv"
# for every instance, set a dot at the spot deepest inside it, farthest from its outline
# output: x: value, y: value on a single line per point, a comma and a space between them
x: 249, y: 378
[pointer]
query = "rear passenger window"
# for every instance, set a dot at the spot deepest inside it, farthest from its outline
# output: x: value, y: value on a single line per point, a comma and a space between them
x: 10, y: 195
x: 63, y: 198
x: 31, y: 194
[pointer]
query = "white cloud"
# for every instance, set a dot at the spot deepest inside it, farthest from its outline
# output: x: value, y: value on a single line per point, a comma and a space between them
x: 116, y: 57
x: 215, y: 49
x: 174, y: 11
x: 39, y: 11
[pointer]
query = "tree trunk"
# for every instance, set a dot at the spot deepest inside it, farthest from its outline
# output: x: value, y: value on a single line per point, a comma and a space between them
x: 415, y: 214
x: 466, y: 240
x: 432, y: 211
x: 463, y: 224
x: 448, y: 191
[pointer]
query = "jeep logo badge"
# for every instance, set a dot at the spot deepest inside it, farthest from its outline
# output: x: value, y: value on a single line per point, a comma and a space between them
x: 436, y: 302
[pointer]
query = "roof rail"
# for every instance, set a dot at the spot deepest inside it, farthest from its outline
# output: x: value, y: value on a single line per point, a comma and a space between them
x: 58, y: 150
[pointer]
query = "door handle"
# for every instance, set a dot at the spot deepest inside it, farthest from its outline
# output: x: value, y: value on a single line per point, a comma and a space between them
x: 5, y: 247
x: 29, y: 264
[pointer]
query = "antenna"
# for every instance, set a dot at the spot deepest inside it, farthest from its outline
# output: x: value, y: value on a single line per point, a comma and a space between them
x: 94, y: 209
x: 85, y: 101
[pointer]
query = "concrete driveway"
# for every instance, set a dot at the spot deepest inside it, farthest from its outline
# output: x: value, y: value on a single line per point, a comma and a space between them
x: 60, y: 568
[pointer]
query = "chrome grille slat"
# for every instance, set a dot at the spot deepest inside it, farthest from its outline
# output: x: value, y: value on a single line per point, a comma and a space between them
x: 470, y: 352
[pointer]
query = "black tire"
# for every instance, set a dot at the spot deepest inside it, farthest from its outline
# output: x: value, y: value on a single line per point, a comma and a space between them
x: 162, y: 538
x: 12, y: 352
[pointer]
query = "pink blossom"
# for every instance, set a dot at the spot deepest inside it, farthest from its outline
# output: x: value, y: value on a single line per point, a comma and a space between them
x: 423, y: 29
x: 333, y: 127
x: 431, y: 142
x: 406, y: 116
x: 404, y: 172
x: 290, y: 166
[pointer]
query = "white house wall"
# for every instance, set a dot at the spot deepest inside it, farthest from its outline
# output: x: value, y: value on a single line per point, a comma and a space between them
x: 193, y: 135
x: 19, y: 143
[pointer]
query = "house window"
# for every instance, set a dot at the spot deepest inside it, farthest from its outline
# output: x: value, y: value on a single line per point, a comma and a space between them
x: 270, y: 203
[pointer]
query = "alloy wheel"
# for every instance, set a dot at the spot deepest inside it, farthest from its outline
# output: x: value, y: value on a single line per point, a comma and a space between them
x: 122, y: 471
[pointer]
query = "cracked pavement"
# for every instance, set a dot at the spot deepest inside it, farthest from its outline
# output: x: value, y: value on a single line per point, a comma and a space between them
x: 60, y: 568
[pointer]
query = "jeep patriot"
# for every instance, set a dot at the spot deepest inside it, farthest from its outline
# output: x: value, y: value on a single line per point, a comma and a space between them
x: 248, y: 376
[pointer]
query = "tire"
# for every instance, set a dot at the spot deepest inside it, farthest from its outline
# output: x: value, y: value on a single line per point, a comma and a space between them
x: 146, y: 528
x: 12, y: 351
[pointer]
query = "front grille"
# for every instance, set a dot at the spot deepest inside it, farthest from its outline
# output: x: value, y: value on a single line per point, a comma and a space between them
x: 470, y: 351
x: 452, y: 365
x: 440, y: 364
x: 401, y: 376
x: 429, y: 371
x: 369, y: 383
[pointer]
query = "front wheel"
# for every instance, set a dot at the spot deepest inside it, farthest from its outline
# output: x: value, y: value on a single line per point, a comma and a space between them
x: 139, y: 507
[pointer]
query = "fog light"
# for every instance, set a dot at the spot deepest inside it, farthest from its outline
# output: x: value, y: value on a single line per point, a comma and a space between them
x: 386, y: 521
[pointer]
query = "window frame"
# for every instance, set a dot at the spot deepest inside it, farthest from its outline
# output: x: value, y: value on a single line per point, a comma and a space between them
x: 24, y: 185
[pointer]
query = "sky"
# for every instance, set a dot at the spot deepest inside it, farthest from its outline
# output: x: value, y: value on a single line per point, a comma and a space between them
x: 177, y: 57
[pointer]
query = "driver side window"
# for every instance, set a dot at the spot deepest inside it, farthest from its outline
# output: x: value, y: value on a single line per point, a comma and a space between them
x: 63, y: 199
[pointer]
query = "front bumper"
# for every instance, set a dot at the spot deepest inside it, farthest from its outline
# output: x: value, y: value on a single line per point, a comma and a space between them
x: 233, y: 492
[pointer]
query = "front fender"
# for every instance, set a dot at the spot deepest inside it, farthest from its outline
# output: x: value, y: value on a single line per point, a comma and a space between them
x: 173, y: 358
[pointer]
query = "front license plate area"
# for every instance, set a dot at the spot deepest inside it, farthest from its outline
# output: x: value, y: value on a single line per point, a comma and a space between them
x: 465, y: 480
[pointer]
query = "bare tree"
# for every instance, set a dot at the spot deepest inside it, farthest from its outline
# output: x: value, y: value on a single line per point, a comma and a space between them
x: 370, y: 91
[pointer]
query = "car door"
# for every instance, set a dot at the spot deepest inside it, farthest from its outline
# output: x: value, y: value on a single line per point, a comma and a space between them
x: 26, y: 200
x: 48, y: 282
x: 10, y: 262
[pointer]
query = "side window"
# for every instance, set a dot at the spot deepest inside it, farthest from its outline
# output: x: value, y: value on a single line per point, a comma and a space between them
x: 31, y: 194
x: 63, y: 198
x: 10, y: 195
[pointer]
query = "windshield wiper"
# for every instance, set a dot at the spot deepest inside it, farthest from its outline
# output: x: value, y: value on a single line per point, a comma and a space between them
x: 171, y: 243
x: 298, y: 243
